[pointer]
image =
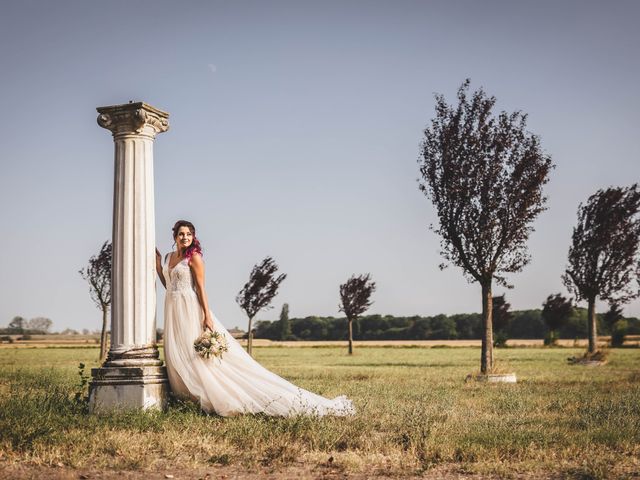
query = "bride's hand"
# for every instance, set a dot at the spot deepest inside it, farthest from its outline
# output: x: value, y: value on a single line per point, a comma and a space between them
x: 208, y: 322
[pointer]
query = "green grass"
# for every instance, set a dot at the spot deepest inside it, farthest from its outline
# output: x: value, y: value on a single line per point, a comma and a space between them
x: 415, y: 414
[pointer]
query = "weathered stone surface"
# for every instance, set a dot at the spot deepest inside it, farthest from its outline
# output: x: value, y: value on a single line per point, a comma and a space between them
x: 133, y: 118
x: 128, y: 387
x: 133, y: 305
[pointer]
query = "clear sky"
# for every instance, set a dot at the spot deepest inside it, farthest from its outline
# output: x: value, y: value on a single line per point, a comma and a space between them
x: 295, y: 130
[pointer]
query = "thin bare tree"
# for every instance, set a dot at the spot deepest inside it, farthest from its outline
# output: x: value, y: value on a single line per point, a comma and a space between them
x: 484, y: 175
x: 355, y: 296
x: 98, y: 274
x: 258, y: 292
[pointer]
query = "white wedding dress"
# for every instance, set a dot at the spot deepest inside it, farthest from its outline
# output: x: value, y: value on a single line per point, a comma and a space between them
x: 236, y: 383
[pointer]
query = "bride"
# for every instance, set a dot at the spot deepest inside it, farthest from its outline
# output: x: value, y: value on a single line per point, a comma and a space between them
x: 235, y: 383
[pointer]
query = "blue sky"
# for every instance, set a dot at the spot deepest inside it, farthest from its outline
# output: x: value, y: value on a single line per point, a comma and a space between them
x: 295, y: 130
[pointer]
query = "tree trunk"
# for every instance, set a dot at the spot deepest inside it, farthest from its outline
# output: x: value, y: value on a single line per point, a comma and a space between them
x: 103, y: 335
x: 591, y: 319
x: 250, y: 337
x: 350, y: 336
x: 486, y: 358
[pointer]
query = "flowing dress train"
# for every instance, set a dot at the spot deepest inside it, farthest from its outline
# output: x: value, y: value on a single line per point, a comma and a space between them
x: 236, y: 383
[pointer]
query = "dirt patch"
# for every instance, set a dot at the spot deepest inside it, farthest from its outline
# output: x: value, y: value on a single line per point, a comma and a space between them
x: 300, y: 472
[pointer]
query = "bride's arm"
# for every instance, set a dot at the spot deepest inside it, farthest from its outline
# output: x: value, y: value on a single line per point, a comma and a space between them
x: 159, y: 268
x: 197, y: 267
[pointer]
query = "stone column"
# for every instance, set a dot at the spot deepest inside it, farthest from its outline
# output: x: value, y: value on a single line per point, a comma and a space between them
x: 133, y: 375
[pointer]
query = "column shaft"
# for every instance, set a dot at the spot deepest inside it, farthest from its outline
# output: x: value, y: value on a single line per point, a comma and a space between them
x: 133, y: 299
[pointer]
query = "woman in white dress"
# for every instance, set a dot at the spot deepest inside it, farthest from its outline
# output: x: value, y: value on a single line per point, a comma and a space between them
x: 235, y: 383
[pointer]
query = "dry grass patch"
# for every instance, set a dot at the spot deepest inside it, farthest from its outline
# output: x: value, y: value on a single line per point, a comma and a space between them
x: 416, y: 416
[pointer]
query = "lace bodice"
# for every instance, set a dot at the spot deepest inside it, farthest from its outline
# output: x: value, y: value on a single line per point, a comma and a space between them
x: 179, y: 278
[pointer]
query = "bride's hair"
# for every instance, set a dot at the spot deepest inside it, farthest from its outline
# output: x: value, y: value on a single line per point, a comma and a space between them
x: 195, y: 246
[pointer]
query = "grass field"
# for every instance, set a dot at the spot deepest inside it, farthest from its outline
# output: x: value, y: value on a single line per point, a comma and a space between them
x: 416, y: 416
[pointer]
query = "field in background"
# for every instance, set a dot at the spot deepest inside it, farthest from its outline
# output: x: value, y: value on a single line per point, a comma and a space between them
x: 94, y: 340
x: 416, y: 416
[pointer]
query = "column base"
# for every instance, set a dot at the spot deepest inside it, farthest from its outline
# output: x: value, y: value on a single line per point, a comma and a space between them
x: 122, y: 388
x: 134, y: 356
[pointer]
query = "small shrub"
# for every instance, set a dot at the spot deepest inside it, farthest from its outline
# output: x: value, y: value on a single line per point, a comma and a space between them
x: 82, y: 388
x: 551, y: 339
x: 618, y: 332
x: 500, y: 339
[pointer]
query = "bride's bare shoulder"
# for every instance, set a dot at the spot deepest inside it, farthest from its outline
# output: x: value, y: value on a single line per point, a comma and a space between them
x: 196, y: 259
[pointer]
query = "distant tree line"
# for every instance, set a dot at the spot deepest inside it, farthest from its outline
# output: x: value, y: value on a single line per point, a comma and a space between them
x: 39, y: 326
x: 20, y: 325
x: 523, y: 324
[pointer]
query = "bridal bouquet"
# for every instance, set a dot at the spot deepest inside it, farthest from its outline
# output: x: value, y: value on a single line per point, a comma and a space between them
x: 211, y: 344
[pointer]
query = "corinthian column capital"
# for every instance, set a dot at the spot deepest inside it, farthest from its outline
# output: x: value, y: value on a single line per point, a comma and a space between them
x: 133, y: 118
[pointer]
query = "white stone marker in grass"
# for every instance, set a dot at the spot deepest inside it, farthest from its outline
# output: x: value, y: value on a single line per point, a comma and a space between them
x: 133, y: 375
